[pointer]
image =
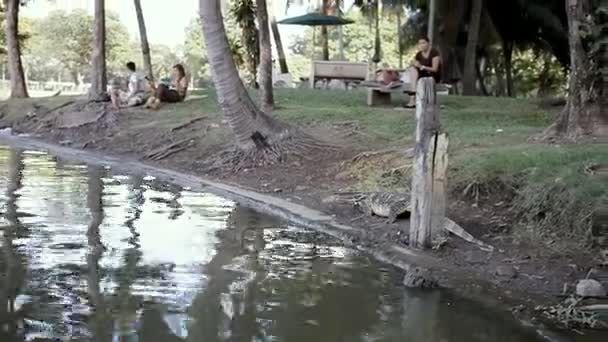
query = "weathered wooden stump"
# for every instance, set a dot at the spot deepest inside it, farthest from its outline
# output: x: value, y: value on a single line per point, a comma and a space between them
x: 430, y: 165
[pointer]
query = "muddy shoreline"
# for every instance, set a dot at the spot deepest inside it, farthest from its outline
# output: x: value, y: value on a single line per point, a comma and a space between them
x: 518, y: 276
x: 456, y: 279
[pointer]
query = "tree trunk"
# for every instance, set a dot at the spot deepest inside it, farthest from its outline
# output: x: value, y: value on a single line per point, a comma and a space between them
x: 507, y: 48
x: 75, y: 77
x: 258, y: 136
x: 15, y: 66
x: 324, y: 33
x: 399, y: 37
x: 470, y: 60
x: 339, y: 4
x: 277, y: 38
x: 98, y: 91
x: 452, y: 12
x: 143, y: 36
x: 480, y: 68
x: 431, y: 25
x: 582, y: 110
x: 243, y: 117
x: 265, y: 69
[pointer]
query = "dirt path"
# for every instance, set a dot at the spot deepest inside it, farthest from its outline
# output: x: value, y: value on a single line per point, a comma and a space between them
x: 516, y: 276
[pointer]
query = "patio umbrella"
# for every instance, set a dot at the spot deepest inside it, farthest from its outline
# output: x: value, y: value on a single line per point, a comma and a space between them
x: 316, y: 19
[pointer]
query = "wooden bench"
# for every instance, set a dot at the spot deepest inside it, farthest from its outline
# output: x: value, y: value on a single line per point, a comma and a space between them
x: 380, y: 94
x: 337, y: 70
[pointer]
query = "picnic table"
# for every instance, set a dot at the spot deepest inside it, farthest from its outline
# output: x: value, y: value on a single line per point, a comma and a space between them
x: 379, y: 93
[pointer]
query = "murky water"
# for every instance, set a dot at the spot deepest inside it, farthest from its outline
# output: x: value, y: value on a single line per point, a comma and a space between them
x: 87, y: 255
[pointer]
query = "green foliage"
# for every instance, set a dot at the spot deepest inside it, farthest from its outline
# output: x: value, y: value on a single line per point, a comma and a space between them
x: 65, y: 39
x: 244, y: 14
x: 195, y: 55
x: 25, y: 28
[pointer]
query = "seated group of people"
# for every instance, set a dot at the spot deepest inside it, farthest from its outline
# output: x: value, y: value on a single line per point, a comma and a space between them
x: 427, y: 63
x: 134, y: 94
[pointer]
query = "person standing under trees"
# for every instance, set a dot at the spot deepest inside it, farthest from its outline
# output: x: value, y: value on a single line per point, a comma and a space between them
x: 176, y: 92
x: 134, y: 95
x: 427, y: 63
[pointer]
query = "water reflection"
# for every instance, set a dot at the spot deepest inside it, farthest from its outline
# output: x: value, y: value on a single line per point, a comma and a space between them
x: 91, y: 256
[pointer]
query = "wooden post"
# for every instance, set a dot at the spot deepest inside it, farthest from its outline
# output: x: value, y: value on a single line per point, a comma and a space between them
x: 430, y: 166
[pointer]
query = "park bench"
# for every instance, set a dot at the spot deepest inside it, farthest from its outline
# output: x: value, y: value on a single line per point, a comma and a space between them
x: 337, y: 70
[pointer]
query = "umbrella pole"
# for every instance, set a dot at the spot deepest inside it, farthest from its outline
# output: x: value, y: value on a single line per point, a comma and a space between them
x: 312, y: 59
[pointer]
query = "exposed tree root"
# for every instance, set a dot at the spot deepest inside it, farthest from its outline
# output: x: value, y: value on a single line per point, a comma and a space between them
x: 188, y: 123
x: 169, y: 150
x: 408, y: 152
x: 292, y: 144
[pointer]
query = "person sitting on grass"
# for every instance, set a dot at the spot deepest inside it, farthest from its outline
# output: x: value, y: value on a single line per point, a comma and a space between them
x: 175, y: 92
x: 134, y: 93
x: 427, y: 63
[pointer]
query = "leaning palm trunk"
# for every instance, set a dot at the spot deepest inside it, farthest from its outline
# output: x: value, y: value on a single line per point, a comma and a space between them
x: 18, y: 84
x: 99, y: 79
x: 145, y: 47
x: 257, y: 134
x: 265, y: 69
x: 277, y: 38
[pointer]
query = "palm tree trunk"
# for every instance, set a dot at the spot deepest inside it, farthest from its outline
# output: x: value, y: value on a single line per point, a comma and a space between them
x: 470, y: 60
x: 99, y: 81
x: 277, y: 38
x: 582, y: 113
x: 15, y: 65
x: 452, y: 13
x: 339, y: 4
x: 324, y: 33
x: 265, y: 69
x: 243, y: 117
x: 259, y: 137
x: 432, y: 14
x: 143, y: 36
x: 399, y: 37
x: 507, y: 48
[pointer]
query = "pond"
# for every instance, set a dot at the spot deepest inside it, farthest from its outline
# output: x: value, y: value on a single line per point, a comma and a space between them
x: 91, y: 255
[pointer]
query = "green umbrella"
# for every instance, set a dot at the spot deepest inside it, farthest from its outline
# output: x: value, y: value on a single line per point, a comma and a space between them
x: 316, y: 19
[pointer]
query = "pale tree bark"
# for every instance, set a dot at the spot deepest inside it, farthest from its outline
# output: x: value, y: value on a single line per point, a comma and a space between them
x: 324, y: 33
x: 143, y: 36
x: 452, y: 13
x: 256, y: 132
x: 243, y: 117
x: 265, y: 69
x: 431, y: 25
x: 99, y: 81
x: 15, y: 65
x: 470, y: 60
x: 277, y: 37
x: 582, y: 115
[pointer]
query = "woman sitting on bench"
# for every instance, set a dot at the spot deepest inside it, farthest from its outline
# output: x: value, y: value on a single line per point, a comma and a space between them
x: 427, y: 63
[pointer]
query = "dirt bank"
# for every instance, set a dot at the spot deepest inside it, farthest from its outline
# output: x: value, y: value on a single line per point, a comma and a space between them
x: 518, y: 275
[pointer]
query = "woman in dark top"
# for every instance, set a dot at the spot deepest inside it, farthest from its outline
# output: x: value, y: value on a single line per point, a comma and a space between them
x: 171, y: 94
x: 427, y: 63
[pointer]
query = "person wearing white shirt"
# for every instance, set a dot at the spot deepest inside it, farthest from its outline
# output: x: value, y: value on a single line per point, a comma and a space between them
x: 134, y: 95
